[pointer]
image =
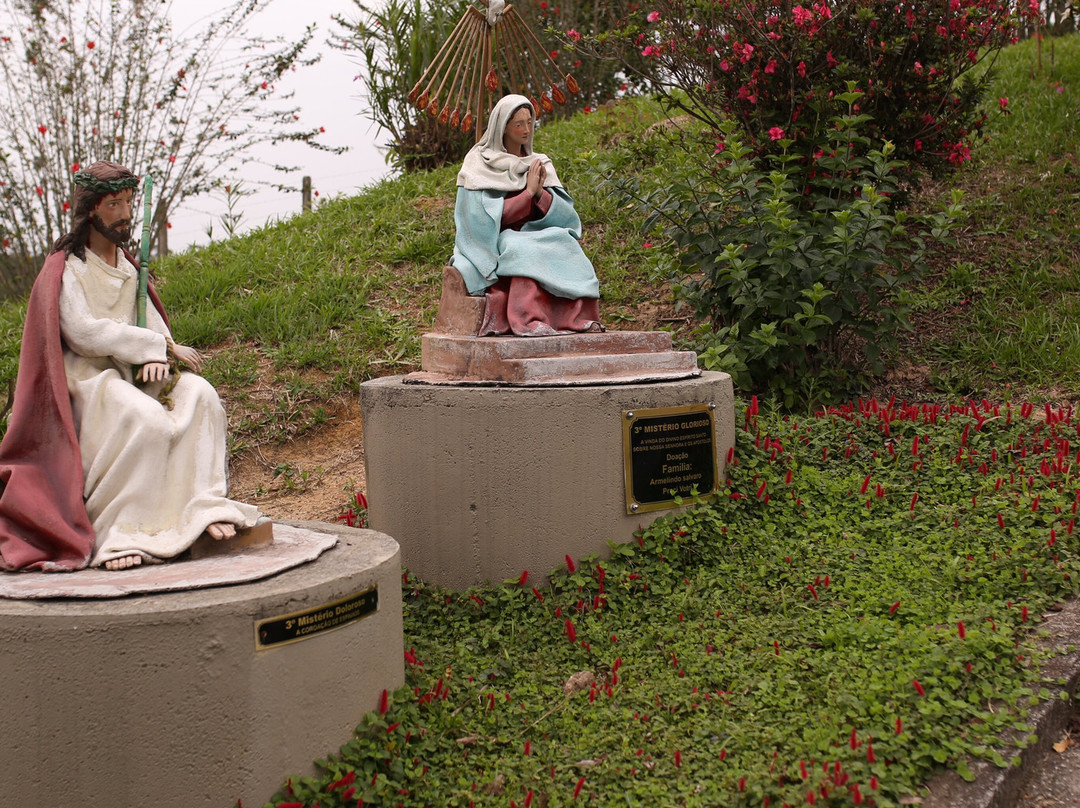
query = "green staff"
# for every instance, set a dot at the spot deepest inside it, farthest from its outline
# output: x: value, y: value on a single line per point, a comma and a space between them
x: 144, y: 258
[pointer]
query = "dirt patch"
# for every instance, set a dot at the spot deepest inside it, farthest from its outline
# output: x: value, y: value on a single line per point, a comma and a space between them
x: 313, y: 477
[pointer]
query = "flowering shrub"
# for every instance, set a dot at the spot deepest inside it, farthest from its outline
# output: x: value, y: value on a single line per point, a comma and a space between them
x: 599, y: 79
x: 799, y: 270
x: 920, y: 66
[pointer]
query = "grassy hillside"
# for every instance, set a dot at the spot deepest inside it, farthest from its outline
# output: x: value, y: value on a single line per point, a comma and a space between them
x: 316, y: 305
x: 313, y: 306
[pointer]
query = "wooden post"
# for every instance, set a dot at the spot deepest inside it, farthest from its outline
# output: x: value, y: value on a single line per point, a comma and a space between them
x: 162, y: 231
x: 306, y: 193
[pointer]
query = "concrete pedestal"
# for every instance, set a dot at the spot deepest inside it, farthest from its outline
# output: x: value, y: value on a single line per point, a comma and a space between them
x: 481, y: 483
x: 165, y: 699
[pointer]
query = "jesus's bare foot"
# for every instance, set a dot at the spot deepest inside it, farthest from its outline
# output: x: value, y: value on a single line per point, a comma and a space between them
x: 123, y: 562
x: 221, y: 530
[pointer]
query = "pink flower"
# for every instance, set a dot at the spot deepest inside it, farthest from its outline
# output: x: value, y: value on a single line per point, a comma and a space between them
x: 647, y: 245
x: 573, y: 35
x: 654, y: 16
x: 776, y: 133
x: 771, y: 66
x: 801, y: 69
x: 831, y: 59
x: 650, y: 50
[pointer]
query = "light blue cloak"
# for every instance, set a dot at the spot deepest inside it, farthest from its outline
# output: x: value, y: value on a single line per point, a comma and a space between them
x: 546, y: 250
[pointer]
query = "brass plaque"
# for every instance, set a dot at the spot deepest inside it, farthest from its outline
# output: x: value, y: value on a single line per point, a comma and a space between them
x: 667, y: 452
x: 289, y: 628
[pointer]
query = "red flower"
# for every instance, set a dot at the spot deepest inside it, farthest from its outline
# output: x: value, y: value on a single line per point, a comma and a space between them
x: 577, y: 788
x: 347, y: 780
x: 43, y: 129
x: 39, y: 191
x: 523, y: 578
x: 89, y: 45
x: 678, y: 758
x: 570, y: 564
x: 899, y: 726
x: 571, y: 632
x: 384, y: 702
x: 67, y: 206
x: 918, y: 687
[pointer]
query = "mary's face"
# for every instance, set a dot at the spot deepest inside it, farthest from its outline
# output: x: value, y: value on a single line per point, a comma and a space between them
x: 518, y: 131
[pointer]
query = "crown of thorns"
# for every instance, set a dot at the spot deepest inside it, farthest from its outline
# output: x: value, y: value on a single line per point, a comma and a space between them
x: 96, y: 185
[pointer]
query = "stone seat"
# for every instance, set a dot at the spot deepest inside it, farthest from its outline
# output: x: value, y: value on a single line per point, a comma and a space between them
x: 453, y: 354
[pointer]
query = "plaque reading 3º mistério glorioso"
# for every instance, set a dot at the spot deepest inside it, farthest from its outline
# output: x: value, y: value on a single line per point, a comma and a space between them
x: 667, y: 452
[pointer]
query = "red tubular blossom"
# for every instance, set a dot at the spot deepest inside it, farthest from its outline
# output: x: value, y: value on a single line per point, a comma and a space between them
x: 577, y: 788
x: 918, y: 687
x: 536, y: 592
x: 384, y: 702
x: 570, y: 564
x: 899, y: 726
x: 914, y: 499
x: 1024, y: 614
x: 865, y: 484
x: 960, y: 630
x: 894, y: 607
x: 870, y: 756
x: 853, y: 742
x: 347, y: 780
x: 523, y: 578
x: 571, y: 632
x: 812, y: 590
x: 678, y: 758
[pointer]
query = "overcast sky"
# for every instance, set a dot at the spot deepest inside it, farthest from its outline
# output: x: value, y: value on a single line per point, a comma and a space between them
x: 327, y: 95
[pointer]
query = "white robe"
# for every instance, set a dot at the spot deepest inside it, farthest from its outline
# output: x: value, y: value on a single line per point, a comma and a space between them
x: 154, y: 478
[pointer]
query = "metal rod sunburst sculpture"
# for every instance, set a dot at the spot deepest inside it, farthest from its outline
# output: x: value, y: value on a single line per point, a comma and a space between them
x: 456, y: 86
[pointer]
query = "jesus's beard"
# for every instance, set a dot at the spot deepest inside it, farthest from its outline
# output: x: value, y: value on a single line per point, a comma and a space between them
x: 118, y: 233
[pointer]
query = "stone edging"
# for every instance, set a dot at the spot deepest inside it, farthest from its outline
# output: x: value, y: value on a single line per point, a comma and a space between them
x: 995, y: 787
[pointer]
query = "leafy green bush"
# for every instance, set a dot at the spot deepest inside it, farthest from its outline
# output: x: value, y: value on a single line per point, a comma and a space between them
x: 396, y: 41
x: 800, y: 274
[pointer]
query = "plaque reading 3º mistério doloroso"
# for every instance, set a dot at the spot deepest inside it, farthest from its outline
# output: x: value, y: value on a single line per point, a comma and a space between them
x: 667, y: 452
x: 296, y: 626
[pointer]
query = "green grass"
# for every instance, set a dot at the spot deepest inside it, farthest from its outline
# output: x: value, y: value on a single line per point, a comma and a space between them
x: 1009, y: 292
x: 849, y: 607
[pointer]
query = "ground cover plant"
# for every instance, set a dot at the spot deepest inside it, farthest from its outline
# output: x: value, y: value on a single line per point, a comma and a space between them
x: 856, y: 607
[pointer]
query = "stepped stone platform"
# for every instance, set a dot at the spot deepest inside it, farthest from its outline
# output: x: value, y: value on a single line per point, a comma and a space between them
x: 612, y: 357
x: 196, y: 683
x: 452, y: 355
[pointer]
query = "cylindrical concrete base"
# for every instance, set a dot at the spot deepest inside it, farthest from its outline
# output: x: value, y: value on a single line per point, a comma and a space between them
x: 164, y: 699
x: 481, y: 483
